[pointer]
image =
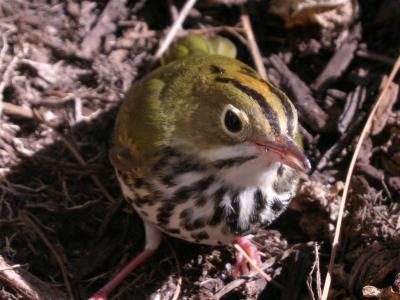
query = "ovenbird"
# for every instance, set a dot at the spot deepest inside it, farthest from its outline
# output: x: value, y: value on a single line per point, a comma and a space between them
x: 205, y: 150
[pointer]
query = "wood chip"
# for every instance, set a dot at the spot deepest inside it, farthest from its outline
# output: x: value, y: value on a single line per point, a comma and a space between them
x: 339, y: 61
x: 354, y: 103
x: 310, y: 112
x: 31, y: 287
x: 384, y: 111
x: 105, y: 25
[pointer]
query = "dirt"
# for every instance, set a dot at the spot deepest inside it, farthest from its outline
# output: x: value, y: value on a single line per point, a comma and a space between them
x: 64, y: 227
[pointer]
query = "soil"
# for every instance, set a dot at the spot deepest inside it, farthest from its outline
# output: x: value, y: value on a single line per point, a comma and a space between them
x: 64, y: 227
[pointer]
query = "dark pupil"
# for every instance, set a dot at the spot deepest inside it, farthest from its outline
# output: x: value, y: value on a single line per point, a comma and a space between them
x: 232, y: 122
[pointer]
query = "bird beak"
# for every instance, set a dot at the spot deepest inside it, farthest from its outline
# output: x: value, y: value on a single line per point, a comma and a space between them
x: 288, y: 152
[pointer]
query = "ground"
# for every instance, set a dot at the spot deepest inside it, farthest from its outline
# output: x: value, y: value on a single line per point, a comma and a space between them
x: 64, y: 227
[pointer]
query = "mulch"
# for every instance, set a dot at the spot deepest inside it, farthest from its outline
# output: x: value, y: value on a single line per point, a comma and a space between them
x: 64, y: 227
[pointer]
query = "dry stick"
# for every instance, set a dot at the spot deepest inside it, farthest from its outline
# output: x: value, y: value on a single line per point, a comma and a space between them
x: 179, y: 284
x: 29, y: 113
x: 16, y: 110
x: 77, y: 155
x: 26, y: 284
x: 376, y: 56
x: 7, y: 75
x: 253, y: 264
x: 5, y: 47
x: 363, y: 135
x: 82, y: 162
x: 318, y: 283
x: 11, y: 267
x: 255, y: 51
x: 174, y: 29
x: 239, y: 281
x: 53, y: 251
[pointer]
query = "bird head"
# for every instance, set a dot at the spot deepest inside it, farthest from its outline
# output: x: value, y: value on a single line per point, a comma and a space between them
x: 233, y: 113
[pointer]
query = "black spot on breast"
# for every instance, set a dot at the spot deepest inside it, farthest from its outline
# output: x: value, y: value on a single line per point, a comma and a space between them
x: 196, y: 224
x: 163, y: 217
x: 260, y: 201
x: 217, y: 216
x: 144, y: 200
x: 219, y: 194
x: 164, y: 213
x: 186, y: 214
x: 139, y: 182
x: 168, y: 180
x: 232, y: 218
x: 280, y: 171
x: 277, y: 205
x: 202, y: 235
x: 183, y: 194
x: 204, y: 183
x: 166, y: 154
x: 201, y: 201
x: 218, y: 210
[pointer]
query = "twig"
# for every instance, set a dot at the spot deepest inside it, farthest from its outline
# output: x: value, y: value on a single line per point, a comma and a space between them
x: 309, y: 110
x: 105, y: 24
x: 16, y: 110
x: 253, y: 264
x: 318, y: 283
x: 363, y: 135
x: 341, y: 143
x: 7, y: 77
x: 238, y: 282
x: 174, y: 29
x: 53, y: 251
x: 178, y: 268
x: 255, y: 51
x: 10, y: 267
x: 82, y: 162
x: 26, y: 284
x: 315, y: 268
x: 5, y: 47
x: 77, y: 155
x: 339, y: 61
x: 375, y: 56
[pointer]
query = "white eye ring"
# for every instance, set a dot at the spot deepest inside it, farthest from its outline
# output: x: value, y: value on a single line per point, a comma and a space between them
x: 232, y: 120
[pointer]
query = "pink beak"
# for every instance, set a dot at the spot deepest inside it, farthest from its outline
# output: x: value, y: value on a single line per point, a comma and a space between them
x: 288, y: 152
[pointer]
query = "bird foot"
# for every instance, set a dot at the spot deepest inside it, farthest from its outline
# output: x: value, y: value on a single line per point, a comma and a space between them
x: 251, y: 250
x: 100, y: 295
x: 103, y: 293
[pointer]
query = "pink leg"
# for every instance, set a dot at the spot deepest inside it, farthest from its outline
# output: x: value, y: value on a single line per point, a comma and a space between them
x: 241, y: 263
x: 103, y: 293
x: 153, y: 238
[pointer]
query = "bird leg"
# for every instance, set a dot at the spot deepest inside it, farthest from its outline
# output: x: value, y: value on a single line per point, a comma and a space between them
x: 153, y: 239
x: 241, y: 262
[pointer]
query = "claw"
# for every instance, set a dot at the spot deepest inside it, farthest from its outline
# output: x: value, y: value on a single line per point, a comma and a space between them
x: 242, y: 266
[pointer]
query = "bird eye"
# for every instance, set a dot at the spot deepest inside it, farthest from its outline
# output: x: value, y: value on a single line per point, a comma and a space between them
x: 232, y: 122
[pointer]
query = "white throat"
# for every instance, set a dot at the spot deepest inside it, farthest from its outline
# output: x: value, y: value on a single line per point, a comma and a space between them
x: 256, y: 172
